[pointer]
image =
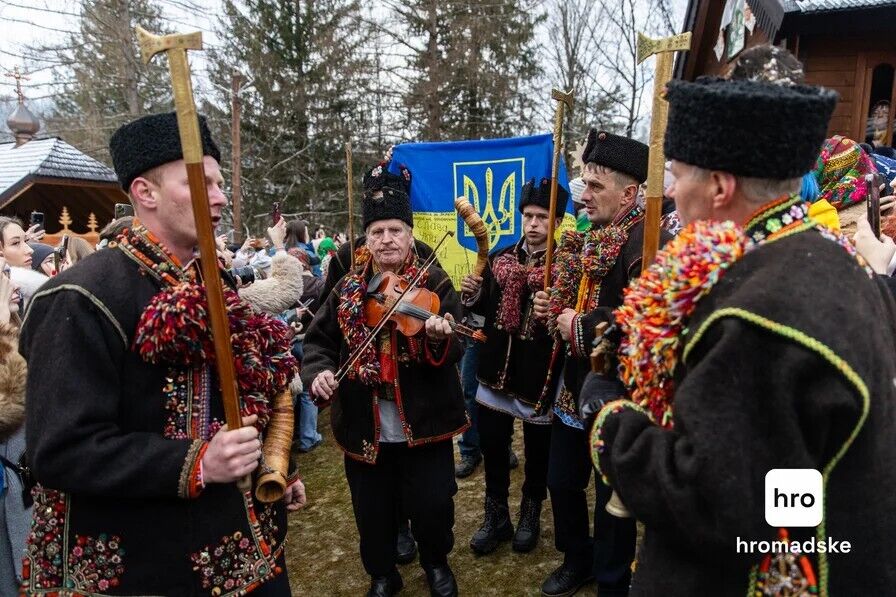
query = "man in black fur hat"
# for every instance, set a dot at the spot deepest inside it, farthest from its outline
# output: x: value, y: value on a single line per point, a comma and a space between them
x: 513, y: 368
x: 590, y: 272
x: 136, y: 472
x: 786, y: 362
x: 395, y: 412
x: 405, y: 546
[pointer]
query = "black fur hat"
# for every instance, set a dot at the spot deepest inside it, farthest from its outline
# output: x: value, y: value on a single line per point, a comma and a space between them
x: 151, y: 141
x: 619, y: 153
x: 541, y: 196
x: 395, y: 202
x: 747, y: 128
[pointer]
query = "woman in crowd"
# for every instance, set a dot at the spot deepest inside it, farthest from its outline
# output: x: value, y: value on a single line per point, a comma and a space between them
x: 19, y: 256
x: 297, y: 236
x: 14, y: 515
x: 325, y: 250
x: 306, y: 436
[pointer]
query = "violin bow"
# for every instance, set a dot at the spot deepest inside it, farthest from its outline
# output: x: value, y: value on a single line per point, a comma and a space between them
x: 356, y: 354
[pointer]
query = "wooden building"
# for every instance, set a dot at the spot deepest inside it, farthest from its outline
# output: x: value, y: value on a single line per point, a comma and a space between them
x: 76, y: 193
x: 846, y: 45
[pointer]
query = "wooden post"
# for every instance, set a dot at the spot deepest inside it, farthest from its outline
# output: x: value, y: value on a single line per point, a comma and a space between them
x: 236, y: 155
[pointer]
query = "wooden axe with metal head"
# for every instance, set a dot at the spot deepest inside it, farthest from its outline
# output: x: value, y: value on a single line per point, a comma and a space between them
x: 564, y: 99
x: 176, y: 47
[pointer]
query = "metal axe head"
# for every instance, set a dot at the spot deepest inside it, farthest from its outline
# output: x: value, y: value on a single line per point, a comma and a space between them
x: 150, y: 44
x: 648, y: 46
x: 562, y: 96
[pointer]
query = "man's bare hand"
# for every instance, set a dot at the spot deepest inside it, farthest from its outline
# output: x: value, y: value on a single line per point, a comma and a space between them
x: 439, y: 328
x: 324, y: 385
x: 564, y: 321
x: 470, y: 285
x: 277, y: 234
x: 294, y: 497
x: 541, y: 303
x: 232, y: 455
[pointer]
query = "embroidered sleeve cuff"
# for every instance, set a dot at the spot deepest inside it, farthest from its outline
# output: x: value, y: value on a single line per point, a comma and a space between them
x: 436, y: 353
x: 576, y: 341
x: 599, y: 436
x: 191, y: 484
x: 293, y: 477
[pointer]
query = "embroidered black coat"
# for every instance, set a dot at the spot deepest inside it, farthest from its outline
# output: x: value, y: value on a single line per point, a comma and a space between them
x: 627, y: 267
x: 111, y: 442
x: 516, y: 365
x: 428, y: 392
x: 789, y: 363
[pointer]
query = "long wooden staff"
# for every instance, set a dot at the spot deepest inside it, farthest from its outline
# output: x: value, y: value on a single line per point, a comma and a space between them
x: 176, y: 47
x: 656, y: 165
x: 665, y: 50
x: 351, y: 203
x: 564, y: 99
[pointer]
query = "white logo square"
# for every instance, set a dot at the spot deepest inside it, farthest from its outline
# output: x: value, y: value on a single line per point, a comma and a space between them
x: 794, y: 497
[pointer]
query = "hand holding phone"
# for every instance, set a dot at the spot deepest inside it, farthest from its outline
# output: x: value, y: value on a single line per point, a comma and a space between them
x: 123, y: 210
x: 275, y: 213
x: 37, y: 219
x: 873, y: 203
x: 60, y: 254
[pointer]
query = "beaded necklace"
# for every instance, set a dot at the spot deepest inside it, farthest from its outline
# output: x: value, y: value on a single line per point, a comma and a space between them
x: 655, y: 311
x: 657, y: 306
x: 144, y: 247
x: 514, y: 278
x: 352, y: 321
x: 582, y: 262
x: 174, y: 330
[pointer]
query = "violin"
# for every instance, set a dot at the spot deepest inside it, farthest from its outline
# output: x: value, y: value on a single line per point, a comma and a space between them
x: 415, y: 307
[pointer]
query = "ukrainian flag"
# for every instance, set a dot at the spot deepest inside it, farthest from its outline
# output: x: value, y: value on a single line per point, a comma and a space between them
x: 490, y: 174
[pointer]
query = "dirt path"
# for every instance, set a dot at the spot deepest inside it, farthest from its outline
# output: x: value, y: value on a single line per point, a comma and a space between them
x: 322, y: 553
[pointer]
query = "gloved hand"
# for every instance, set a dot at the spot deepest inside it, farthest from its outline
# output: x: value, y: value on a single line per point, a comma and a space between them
x: 597, y: 391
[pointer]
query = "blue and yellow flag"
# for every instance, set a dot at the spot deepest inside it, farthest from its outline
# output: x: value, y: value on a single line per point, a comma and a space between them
x: 490, y: 174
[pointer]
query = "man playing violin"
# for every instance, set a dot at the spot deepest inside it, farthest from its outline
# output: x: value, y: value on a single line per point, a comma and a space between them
x: 400, y: 403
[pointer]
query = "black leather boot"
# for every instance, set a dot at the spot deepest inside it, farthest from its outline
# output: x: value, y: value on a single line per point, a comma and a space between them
x: 385, y: 586
x: 529, y: 527
x: 467, y: 465
x: 496, y: 527
x: 566, y: 580
x: 441, y: 581
x: 405, y: 546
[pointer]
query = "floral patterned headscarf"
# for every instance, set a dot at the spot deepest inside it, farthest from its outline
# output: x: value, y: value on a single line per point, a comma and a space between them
x: 841, y: 170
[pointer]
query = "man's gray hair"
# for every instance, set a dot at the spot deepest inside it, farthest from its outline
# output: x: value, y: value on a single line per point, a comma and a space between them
x: 407, y: 227
x: 758, y: 190
x: 763, y: 190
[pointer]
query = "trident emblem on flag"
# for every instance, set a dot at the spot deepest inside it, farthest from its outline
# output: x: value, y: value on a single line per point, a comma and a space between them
x: 492, y: 188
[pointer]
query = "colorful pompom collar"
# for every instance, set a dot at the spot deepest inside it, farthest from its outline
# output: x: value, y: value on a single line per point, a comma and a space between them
x: 174, y: 328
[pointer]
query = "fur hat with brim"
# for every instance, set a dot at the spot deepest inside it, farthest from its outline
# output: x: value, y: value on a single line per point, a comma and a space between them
x: 747, y: 128
x: 151, y: 141
x: 619, y: 153
x: 395, y: 204
x: 541, y: 196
